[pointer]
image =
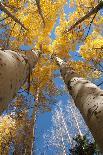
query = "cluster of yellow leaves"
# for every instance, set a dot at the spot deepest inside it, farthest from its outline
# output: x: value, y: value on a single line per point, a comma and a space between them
x: 82, y: 8
x: 14, y: 3
x: 84, y: 69
x: 7, y: 131
x: 24, y: 128
x: 92, y: 49
x: 37, y: 32
x: 95, y: 74
x: 86, y: 4
x: 42, y: 75
x: 15, y: 127
x: 98, y: 24
x: 66, y: 41
x: 81, y: 68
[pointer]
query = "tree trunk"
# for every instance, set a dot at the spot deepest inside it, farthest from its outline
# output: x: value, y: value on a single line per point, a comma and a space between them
x: 14, y: 70
x: 34, y: 119
x: 30, y: 144
x: 87, y: 97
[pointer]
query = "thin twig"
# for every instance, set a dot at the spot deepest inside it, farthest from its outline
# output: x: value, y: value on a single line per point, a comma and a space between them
x: 90, y: 26
x: 100, y: 83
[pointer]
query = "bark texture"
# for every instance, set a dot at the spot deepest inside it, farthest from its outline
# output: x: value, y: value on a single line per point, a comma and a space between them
x: 88, y: 98
x: 14, y: 70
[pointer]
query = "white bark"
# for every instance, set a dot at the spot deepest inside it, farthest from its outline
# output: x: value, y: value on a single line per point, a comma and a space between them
x: 14, y: 70
x: 88, y: 98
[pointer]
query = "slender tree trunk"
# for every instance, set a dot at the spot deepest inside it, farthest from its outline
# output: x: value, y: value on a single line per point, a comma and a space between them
x: 87, y: 97
x: 14, y: 70
x: 30, y: 148
x: 34, y: 119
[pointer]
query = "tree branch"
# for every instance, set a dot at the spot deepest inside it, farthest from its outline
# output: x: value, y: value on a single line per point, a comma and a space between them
x: 40, y: 11
x: 90, y: 26
x: 90, y: 13
x: 3, y: 8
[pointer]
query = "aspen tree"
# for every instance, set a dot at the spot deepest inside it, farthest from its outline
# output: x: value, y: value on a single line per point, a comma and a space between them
x: 14, y: 71
x: 87, y: 97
